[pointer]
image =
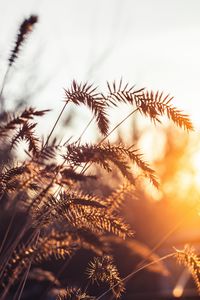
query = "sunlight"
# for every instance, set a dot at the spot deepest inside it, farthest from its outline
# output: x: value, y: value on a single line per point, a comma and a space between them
x: 196, y: 166
x: 178, y: 291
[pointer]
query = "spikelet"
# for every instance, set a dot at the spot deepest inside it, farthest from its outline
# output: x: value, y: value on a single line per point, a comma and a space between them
x: 49, y: 152
x: 121, y: 93
x: 25, y: 28
x: 9, y: 178
x: 53, y: 245
x: 73, y: 293
x: 12, y: 122
x: 148, y: 103
x: 102, y: 269
x: 70, y: 174
x: 35, y: 178
x: 86, y: 94
x: 107, y: 154
x: 80, y: 212
x: 26, y: 132
x: 156, y: 104
x: 42, y: 275
x: 190, y: 260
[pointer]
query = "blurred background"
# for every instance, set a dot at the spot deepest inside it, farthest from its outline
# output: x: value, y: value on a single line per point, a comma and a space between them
x: 153, y: 44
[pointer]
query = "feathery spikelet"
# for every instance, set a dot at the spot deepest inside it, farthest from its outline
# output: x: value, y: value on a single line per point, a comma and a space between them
x: 42, y: 275
x: 9, y: 178
x: 26, y: 133
x: 12, y: 122
x: 81, y: 212
x: 102, y: 269
x: 50, y: 246
x: 136, y: 157
x: 36, y: 177
x: 49, y: 152
x: 150, y: 104
x: 86, y: 94
x: 18, y: 262
x: 105, y: 153
x: 190, y: 260
x: 121, y: 93
x: 25, y: 28
x: 70, y: 174
x: 36, y: 205
x: 156, y: 104
x: 73, y: 293
x: 55, y: 247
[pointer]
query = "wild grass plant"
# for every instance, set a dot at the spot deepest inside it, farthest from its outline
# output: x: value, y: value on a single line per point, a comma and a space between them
x: 45, y: 191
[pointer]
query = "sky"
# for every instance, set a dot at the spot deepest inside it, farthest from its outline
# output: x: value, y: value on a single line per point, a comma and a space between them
x: 150, y: 43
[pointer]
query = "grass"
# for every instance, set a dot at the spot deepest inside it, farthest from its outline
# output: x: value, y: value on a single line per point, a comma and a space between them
x: 57, y: 217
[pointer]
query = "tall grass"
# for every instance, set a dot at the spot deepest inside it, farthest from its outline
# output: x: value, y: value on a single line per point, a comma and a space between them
x: 57, y: 217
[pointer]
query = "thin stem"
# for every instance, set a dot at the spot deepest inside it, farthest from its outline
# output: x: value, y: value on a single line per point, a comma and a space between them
x: 7, y: 231
x: 122, y: 121
x: 2, y: 88
x: 5, y: 258
x: 13, y: 244
x: 136, y: 271
x: 21, y: 284
x: 55, y: 124
x: 1, y: 196
x: 87, y: 286
x: 148, y: 265
x: 27, y: 271
x: 84, y: 130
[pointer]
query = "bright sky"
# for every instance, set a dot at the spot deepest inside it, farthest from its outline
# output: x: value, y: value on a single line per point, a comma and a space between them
x: 151, y: 43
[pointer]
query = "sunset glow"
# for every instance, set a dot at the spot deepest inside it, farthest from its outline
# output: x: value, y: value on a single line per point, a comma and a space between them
x: 196, y: 166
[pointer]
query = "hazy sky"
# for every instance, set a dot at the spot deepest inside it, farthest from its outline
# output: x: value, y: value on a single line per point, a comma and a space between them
x: 151, y: 43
